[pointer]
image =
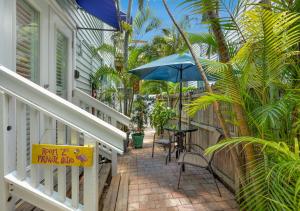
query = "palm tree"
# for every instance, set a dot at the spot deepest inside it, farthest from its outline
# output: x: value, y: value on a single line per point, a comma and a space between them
x: 210, y: 9
x: 267, y: 67
x: 143, y: 23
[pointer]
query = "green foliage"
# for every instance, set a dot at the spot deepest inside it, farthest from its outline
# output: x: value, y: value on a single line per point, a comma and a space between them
x: 139, y: 114
x: 154, y: 87
x: 266, y: 67
x: 145, y: 21
x: 205, y: 38
x: 160, y: 116
x: 204, y: 101
x: 275, y: 182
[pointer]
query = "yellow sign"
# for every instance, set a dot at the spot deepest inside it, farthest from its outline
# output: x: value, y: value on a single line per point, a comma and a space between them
x: 62, y: 155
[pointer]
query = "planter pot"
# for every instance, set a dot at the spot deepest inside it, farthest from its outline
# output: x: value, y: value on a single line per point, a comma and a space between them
x: 138, y: 139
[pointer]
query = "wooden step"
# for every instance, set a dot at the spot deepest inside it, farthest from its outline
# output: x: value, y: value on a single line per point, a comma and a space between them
x: 123, y: 193
x: 104, y: 172
x: 112, y: 194
x: 117, y: 195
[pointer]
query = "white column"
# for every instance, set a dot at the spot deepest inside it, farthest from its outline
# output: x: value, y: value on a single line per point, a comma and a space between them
x: 8, y: 34
x: 7, y: 156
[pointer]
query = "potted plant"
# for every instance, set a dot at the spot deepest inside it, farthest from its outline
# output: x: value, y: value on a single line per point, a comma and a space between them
x: 138, y: 119
x: 160, y: 116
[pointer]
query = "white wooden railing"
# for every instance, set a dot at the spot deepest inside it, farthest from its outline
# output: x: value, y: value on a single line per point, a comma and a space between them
x: 53, y: 120
x: 106, y: 113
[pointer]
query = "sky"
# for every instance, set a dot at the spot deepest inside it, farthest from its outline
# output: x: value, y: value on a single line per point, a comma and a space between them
x: 159, y: 11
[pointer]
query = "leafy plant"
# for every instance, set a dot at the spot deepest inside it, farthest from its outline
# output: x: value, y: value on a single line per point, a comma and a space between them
x: 160, y: 116
x: 139, y: 114
x: 275, y: 181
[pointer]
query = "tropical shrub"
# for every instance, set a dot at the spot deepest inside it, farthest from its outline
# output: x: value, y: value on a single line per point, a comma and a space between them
x: 138, y: 116
x: 267, y: 73
x: 275, y: 180
x: 160, y: 116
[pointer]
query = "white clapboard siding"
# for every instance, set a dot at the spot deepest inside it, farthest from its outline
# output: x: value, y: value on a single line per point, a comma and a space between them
x: 87, y: 61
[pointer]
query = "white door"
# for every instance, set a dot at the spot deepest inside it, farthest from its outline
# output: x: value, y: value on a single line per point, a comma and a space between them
x: 63, y: 58
x: 63, y: 64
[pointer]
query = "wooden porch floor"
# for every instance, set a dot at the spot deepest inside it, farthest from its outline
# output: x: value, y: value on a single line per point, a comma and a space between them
x: 153, y: 185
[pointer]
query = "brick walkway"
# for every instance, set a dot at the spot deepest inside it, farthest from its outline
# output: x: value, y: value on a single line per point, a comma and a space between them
x: 153, y: 185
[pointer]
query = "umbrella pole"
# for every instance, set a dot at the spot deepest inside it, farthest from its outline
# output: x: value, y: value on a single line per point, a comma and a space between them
x: 180, y: 100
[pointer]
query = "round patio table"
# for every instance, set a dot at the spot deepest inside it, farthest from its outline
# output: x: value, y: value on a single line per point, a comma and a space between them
x: 180, y: 134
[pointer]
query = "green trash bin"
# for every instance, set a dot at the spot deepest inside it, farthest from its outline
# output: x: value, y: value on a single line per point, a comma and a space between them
x: 138, y: 139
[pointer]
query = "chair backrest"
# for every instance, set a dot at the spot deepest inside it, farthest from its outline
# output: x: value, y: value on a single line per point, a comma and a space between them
x: 165, y: 134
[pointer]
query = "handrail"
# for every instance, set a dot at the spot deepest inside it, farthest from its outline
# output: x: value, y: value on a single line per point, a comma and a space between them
x: 78, y: 94
x: 61, y: 109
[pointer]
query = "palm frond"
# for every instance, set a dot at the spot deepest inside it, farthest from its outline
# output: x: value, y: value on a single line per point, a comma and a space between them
x: 106, y: 48
x: 203, y: 102
x: 273, y: 183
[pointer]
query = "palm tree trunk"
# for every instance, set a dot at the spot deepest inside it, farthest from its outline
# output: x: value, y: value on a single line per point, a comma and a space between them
x: 126, y: 38
x: 126, y: 44
x: 225, y: 58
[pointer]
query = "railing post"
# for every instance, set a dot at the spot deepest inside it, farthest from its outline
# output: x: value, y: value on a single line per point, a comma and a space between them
x: 61, y: 139
x: 34, y: 139
x: 49, y: 138
x: 21, y: 140
x: 113, y: 122
x: 114, y: 163
x: 91, y: 189
x: 7, y: 202
x: 75, y: 172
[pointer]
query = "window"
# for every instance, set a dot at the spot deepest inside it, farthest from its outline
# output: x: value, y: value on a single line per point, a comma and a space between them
x: 28, y: 40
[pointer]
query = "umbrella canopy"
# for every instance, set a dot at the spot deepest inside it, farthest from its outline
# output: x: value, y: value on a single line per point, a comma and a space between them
x: 174, y: 68
x: 169, y: 69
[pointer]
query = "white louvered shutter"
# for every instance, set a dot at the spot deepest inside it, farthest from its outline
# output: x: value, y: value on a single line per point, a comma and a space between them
x: 61, y: 64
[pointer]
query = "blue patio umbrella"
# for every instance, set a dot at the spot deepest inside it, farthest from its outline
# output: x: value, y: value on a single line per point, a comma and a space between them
x: 174, y: 68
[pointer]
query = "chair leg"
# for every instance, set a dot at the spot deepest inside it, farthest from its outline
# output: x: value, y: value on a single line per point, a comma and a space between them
x: 211, y: 171
x: 180, y: 171
x: 170, y: 146
x: 153, y: 149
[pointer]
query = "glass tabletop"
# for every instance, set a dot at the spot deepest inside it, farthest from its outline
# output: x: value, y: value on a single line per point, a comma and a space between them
x: 184, y: 128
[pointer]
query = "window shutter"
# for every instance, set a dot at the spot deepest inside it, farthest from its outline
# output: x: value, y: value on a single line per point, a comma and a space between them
x: 27, y: 41
x: 61, y: 64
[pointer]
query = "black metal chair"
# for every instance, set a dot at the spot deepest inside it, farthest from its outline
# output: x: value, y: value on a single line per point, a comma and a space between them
x: 165, y: 141
x: 194, y: 156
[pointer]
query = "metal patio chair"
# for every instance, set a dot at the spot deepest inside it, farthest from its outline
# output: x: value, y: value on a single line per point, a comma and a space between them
x: 194, y: 156
x: 165, y: 140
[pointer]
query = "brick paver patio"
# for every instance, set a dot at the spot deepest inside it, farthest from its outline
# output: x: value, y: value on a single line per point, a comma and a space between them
x: 153, y: 185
